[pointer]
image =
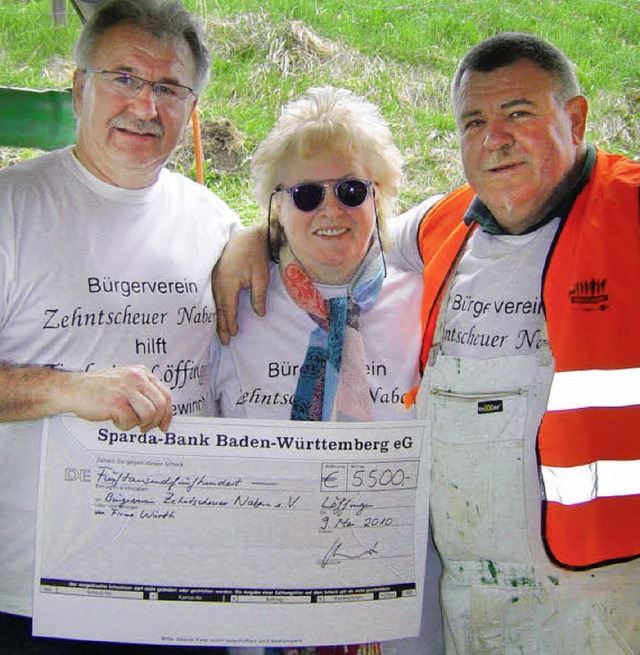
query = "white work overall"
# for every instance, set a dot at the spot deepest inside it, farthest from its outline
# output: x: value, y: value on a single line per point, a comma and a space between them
x: 483, y: 401
x: 500, y: 593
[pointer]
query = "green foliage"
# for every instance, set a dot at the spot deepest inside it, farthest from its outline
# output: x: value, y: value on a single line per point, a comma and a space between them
x: 400, y: 55
x: 33, y: 53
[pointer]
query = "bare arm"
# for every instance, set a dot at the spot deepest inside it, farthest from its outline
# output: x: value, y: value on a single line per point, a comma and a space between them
x: 128, y: 396
x: 244, y: 264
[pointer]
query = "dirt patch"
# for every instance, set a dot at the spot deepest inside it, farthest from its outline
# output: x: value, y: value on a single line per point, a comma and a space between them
x: 223, y: 145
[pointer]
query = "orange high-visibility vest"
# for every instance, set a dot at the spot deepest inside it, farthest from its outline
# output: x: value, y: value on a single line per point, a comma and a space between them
x: 589, y: 438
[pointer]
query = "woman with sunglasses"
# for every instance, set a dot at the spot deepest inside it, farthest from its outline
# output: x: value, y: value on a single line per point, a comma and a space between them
x: 341, y: 338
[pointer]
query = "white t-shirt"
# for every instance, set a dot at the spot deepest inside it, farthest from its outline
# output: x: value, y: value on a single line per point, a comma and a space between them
x: 494, y: 302
x: 494, y: 306
x: 94, y: 276
x: 257, y: 374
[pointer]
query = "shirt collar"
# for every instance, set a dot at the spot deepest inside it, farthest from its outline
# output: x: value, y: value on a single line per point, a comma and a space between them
x: 480, y: 213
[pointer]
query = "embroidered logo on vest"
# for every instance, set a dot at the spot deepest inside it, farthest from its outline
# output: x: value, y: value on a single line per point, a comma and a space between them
x: 590, y: 295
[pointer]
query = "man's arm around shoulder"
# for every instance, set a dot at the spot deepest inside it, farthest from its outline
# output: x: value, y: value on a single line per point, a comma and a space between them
x: 404, y: 229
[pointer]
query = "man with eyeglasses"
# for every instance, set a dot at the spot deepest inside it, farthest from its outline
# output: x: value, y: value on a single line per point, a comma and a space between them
x: 105, y: 259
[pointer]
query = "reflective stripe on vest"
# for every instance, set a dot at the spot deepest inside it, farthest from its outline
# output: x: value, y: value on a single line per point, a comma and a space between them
x: 595, y: 388
x: 570, y: 485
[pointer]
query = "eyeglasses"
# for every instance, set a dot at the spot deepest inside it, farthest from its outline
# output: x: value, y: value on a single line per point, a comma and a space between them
x: 351, y: 193
x: 126, y: 85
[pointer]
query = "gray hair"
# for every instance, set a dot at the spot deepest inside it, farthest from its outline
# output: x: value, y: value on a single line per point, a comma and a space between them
x: 335, y: 118
x: 507, y: 48
x: 165, y: 20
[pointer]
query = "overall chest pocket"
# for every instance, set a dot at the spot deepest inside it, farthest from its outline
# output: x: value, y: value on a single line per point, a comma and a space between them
x: 478, y: 473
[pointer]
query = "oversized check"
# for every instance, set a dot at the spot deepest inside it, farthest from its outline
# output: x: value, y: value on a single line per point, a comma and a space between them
x: 232, y: 532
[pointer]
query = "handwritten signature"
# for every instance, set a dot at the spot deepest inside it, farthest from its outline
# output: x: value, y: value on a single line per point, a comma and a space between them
x: 336, y: 554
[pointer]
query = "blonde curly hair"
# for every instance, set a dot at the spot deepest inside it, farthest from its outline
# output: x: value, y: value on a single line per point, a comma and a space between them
x: 328, y: 117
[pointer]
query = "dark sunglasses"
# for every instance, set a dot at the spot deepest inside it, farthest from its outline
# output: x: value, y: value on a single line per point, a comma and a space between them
x: 308, y: 196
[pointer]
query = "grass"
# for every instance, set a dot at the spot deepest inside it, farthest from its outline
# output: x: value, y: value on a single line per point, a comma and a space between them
x: 400, y: 55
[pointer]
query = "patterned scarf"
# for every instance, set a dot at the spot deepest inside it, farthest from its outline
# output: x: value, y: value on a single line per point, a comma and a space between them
x: 333, y: 385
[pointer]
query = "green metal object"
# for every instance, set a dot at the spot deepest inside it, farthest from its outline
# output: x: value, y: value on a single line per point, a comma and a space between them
x: 36, y: 119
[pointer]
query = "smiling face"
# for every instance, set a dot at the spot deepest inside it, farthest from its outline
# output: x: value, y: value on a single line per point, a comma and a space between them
x: 332, y: 240
x: 126, y: 141
x: 520, y: 143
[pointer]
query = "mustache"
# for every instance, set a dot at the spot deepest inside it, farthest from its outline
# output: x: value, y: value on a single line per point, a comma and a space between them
x: 137, y: 125
x: 501, y: 158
